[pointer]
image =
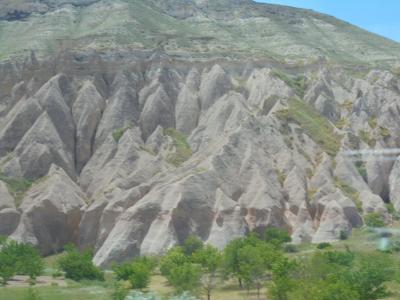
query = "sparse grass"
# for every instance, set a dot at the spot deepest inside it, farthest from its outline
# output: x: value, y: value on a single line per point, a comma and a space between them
x: 384, y: 132
x: 361, y: 168
x: 373, y: 122
x: 347, y: 105
x: 297, y: 83
x: 314, y: 125
x: 17, y: 187
x: 74, y: 291
x: 367, y: 138
x: 281, y: 176
x: 311, y: 194
x: 118, y: 133
x: 341, y: 123
x: 182, y: 149
x: 350, y: 192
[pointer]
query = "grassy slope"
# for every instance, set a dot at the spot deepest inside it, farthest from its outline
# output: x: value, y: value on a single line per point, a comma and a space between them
x: 316, y: 126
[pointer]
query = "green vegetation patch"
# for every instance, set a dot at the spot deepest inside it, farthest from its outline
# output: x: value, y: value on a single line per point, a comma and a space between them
x: 362, y: 169
x: 17, y: 187
x: 347, y: 105
x: 313, y: 123
x: 367, y: 138
x: 118, y: 133
x: 297, y: 83
x: 281, y: 176
x: 374, y: 220
x: 182, y: 149
x: 384, y: 132
x: 373, y: 122
x: 341, y: 123
x: 350, y: 192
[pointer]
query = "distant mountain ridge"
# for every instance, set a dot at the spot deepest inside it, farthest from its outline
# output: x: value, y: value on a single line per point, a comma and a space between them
x: 236, y: 28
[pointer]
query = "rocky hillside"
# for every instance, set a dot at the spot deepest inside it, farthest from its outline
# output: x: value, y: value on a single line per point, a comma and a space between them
x: 131, y: 151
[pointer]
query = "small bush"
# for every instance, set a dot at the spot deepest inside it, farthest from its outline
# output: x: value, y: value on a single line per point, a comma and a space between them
x: 57, y: 274
x: 344, y: 235
x: 395, y: 245
x: 140, y: 277
x: 120, y: 292
x: 290, y: 248
x: 118, y: 133
x: 79, y: 266
x: 17, y: 187
x: 276, y: 236
x: 390, y: 208
x: 374, y: 220
x: 322, y: 246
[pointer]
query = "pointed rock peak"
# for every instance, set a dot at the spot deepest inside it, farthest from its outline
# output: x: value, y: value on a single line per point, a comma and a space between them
x: 56, y: 170
x: 6, y: 200
x: 59, y: 84
x: 193, y: 79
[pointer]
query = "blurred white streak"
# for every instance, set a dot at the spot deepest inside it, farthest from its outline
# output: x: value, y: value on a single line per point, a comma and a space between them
x: 389, y: 154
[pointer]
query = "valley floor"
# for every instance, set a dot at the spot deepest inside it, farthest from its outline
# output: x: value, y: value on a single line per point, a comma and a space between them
x: 362, y: 240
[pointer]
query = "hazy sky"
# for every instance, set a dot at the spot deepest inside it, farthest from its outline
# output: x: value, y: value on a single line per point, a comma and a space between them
x: 379, y: 16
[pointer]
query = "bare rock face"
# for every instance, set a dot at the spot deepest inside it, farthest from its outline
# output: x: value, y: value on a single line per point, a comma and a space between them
x: 238, y: 156
x: 52, y: 211
x: 9, y: 216
x: 87, y: 111
x: 158, y: 110
x: 214, y: 84
x: 38, y: 150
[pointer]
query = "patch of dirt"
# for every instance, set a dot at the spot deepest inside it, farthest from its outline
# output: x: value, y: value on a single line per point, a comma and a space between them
x: 23, y: 281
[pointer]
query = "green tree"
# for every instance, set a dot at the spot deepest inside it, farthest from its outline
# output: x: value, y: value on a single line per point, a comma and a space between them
x: 370, y: 274
x: 282, y: 279
x: 231, y: 262
x: 277, y: 237
x: 29, y: 262
x: 78, y: 265
x: 125, y: 270
x: 185, y: 277
x: 254, y: 263
x: 209, y: 258
x: 191, y: 245
x: 19, y: 258
x: 140, y: 276
x: 7, y: 267
x: 324, y: 290
x: 174, y: 257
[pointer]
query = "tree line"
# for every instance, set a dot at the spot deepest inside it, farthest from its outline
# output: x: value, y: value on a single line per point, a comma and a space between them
x: 256, y: 262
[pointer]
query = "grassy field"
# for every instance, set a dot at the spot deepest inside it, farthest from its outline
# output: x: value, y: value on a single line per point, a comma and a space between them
x: 361, y: 240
